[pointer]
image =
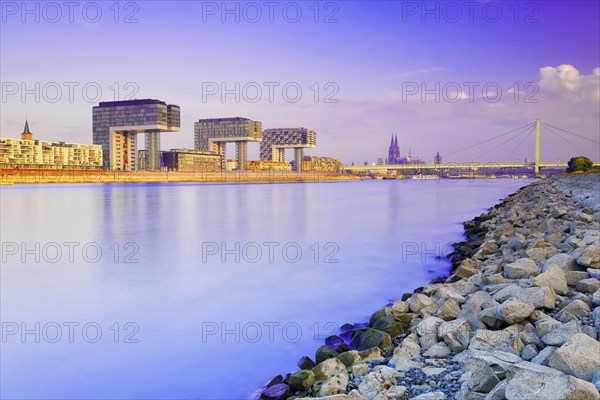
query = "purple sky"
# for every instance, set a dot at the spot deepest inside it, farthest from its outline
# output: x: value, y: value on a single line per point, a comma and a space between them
x: 374, y: 58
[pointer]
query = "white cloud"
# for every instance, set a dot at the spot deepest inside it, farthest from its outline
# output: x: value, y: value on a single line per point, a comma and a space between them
x: 568, y: 81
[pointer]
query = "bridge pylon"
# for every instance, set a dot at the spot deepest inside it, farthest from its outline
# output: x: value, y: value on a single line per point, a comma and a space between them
x: 537, y: 147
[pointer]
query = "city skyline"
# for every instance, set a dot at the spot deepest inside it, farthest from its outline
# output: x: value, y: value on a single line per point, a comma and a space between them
x: 378, y: 85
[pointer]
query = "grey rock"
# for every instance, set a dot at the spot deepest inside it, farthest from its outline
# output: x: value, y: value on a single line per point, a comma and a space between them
x: 559, y: 335
x: 579, y: 357
x: 594, y: 272
x: 498, y: 393
x: 589, y: 285
x: 543, y: 358
x: 547, y: 383
x: 428, y: 331
x: 455, y: 334
x: 575, y: 276
x: 564, y: 261
x: 440, y: 349
x: 523, y: 268
x: 574, y: 310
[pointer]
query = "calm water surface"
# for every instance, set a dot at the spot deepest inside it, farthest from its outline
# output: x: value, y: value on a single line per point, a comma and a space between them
x: 208, y: 310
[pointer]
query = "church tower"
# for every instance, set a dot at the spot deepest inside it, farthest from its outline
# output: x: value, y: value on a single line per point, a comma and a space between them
x: 26, y: 135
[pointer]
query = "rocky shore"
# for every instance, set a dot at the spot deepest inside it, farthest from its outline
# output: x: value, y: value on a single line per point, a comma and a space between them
x: 518, y: 318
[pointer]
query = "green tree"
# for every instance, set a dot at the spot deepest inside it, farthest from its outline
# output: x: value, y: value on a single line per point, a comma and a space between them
x: 580, y: 164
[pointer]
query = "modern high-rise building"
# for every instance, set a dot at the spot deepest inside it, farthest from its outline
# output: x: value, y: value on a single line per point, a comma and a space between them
x: 275, y: 141
x: 213, y: 135
x: 116, y: 125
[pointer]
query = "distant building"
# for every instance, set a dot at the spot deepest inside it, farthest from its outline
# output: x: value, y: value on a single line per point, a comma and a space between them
x: 213, y: 135
x: 275, y: 141
x: 116, y: 125
x: 322, y: 164
x: 29, y: 153
x: 261, y: 165
x: 437, y: 159
x: 185, y: 160
x: 26, y: 135
x: 394, y: 157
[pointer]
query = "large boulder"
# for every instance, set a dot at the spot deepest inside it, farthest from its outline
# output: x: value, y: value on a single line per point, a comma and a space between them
x: 579, y: 357
x: 513, y: 311
x: 539, y: 297
x: 455, y: 334
x: 280, y: 391
x: 591, y: 256
x: 428, y: 331
x: 404, y: 355
x: 548, y: 383
x: 554, y: 278
x: 522, y: 268
x: 328, y: 369
x: 559, y: 335
x: 589, y: 285
x: 564, y: 261
x: 301, y: 380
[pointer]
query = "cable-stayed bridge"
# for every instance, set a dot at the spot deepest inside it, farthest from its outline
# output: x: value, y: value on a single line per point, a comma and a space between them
x: 518, y: 135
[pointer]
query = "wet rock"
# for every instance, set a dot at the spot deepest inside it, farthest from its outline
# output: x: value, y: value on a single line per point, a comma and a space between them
x: 301, y: 380
x: 373, y: 338
x: 306, y: 363
x: 400, y: 307
x: 279, y: 391
x: 323, y: 353
x: 349, y: 358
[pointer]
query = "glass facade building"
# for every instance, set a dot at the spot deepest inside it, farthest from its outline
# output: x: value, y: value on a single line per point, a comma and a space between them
x: 116, y: 125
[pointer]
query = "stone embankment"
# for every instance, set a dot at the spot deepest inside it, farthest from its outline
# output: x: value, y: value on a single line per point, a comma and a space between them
x: 519, y: 318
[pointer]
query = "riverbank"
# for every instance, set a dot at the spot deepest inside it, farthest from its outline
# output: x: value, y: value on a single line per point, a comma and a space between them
x: 25, y: 176
x: 518, y: 318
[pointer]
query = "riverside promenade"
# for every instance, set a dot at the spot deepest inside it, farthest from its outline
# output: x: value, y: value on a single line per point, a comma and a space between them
x: 32, y: 176
x: 517, y: 318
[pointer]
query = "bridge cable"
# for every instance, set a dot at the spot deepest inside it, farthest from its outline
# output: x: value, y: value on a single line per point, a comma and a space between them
x: 565, y: 139
x: 523, y: 130
x: 571, y: 133
x: 491, y: 139
x: 520, y: 143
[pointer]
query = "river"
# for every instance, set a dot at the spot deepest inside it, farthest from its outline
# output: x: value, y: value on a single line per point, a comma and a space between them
x: 187, y: 291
